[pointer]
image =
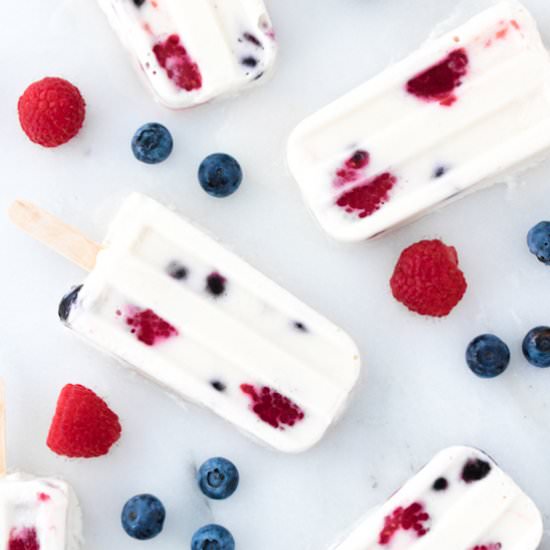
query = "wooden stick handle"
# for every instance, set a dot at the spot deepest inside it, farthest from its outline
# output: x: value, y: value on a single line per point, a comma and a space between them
x: 3, y: 466
x: 46, y: 228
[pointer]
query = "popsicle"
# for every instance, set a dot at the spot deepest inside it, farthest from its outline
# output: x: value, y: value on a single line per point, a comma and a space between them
x: 190, y: 52
x: 189, y: 314
x: 36, y: 513
x: 459, y: 113
x: 461, y: 500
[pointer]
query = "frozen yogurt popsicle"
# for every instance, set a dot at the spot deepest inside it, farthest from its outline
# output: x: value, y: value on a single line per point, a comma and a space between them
x: 192, y: 316
x: 38, y: 514
x: 456, y: 114
x: 190, y: 51
x: 35, y: 513
x: 460, y: 501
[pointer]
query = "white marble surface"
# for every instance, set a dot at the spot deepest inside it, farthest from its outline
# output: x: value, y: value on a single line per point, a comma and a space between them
x: 415, y: 395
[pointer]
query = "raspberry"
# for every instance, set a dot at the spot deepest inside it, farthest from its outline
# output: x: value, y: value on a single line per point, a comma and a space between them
x: 369, y: 197
x: 272, y: 407
x: 412, y: 518
x: 371, y: 193
x: 23, y: 539
x: 147, y: 326
x: 178, y: 64
x: 51, y: 111
x: 427, y: 278
x: 492, y: 546
x: 439, y: 82
x: 83, y: 425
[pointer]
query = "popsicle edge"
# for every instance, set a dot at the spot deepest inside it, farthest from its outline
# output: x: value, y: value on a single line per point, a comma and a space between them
x: 3, y: 465
x: 64, y: 239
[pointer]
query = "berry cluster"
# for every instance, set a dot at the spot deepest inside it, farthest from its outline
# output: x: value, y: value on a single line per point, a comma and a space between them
x: 273, y: 408
x: 411, y: 518
x: 52, y: 111
x: 143, y: 515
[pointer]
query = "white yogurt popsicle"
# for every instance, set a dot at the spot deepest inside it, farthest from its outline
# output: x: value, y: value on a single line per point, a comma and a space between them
x: 191, y: 51
x: 461, y: 500
x: 456, y: 114
x: 38, y: 514
x: 192, y: 316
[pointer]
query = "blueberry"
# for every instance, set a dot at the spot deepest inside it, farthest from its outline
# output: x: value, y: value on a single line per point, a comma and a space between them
x: 139, y: 3
x: 220, y: 175
x: 143, y: 517
x: 212, y: 537
x: 440, y: 484
x: 215, y: 284
x: 218, y: 478
x: 300, y: 326
x: 152, y: 143
x: 487, y: 356
x: 67, y: 302
x: 538, y: 241
x: 177, y: 271
x: 475, y: 470
x: 536, y: 347
x: 439, y: 171
x: 252, y: 39
x: 249, y: 61
x: 218, y: 386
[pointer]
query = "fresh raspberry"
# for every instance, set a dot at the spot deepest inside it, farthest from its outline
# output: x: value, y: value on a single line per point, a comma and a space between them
x: 83, y: 425
x: 273, y: 408
x: 411, y: 518
x: 492, y: 546
x: 427, y: 278
x: 51, y: 111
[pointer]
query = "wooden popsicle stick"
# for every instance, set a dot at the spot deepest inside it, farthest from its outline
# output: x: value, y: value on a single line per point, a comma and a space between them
x: 3, y: 466
x: 46, y: 228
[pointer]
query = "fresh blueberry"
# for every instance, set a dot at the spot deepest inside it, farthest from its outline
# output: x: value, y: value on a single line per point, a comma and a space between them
x: 218, y: 478
x: 536, y: 347
x: 300, y: 326
x: 212, y: 537
x: 152, y: 143
x: 67, y: 302
x: 143, y: 517
x: 487, y: 356
x: 220, y: 175
x: 538, y: 241
x: 139, y: 3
